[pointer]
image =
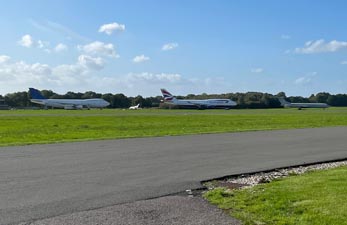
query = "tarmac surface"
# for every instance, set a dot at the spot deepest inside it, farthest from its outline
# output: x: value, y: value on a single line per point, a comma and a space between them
x: 44, y: 181
x: 170, y: 210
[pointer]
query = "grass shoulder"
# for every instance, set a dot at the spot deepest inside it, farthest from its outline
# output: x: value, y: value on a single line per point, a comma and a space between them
x: 317, y: 197
x: 21, y: 127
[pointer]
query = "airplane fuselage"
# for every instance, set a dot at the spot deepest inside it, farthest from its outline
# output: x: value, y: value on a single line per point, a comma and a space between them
x: 306, y: 105
x: 287, y: 104
x: 72, y: 103
x: 204, y: 104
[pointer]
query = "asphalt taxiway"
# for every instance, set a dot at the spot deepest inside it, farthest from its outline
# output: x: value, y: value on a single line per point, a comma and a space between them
x: 42, y: 181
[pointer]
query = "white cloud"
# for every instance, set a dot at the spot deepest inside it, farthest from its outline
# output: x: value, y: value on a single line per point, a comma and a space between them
x: 26, y: 41
x: 4, y: 58
x: 22, y: 75
x: 169, y: 46
x: 90, y: 62
x: 151, y: 77
x: 82, y: 75
x: 22, y: 68
x: 257, y: 70
x: 99, y: 48
x: 109, y: 28
x: 85, y: 65
x: 305, y: 80
x: 40, y: 44
x: 60, y: 47
x: 85, y: 74
x: 69, y: 70
x: 321, y: 46
x: 140, y: 59
x: 344, y: 62
x: 285, y: 36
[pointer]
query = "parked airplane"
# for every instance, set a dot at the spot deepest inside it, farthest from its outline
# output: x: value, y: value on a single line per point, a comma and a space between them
x: 36, y: 97
x: 200, y: 104
x: 302, y: 105
x: 135, y: 107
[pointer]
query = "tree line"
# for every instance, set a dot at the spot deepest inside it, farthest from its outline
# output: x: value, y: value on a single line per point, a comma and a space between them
x: 252, y: 100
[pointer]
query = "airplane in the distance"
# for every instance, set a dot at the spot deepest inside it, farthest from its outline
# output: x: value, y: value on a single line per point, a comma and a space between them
x: 135, y: 107
x: 36, y: 97
x: 199, y: 104
x: 285, y: 103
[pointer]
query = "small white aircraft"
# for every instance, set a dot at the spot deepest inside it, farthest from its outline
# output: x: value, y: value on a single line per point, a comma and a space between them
x: 199, y: 104
x: 135, y: 107
x: 36, y: 97
x: 284, y: 103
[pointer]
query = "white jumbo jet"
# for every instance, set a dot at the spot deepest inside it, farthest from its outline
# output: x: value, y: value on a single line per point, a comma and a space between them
x: 284, y: 103
x: 135, y: 107
x: 36, y: 97
x: 199, y: 104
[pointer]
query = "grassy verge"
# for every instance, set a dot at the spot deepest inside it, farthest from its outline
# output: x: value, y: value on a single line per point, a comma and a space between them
x: 314, y: 198
x: 49, y: 126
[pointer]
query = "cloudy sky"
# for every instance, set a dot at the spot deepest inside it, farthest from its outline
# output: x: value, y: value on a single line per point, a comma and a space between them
x: 138, y: 47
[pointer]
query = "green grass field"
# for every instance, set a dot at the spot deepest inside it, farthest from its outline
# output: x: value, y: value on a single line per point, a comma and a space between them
x: 21, y: 127
x: 315, y: 198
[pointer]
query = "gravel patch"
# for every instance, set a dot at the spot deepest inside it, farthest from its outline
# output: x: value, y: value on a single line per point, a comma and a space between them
x: 250, y: 180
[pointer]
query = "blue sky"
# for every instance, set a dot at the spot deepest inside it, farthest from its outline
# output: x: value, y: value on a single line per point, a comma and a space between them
x: 138, y: 47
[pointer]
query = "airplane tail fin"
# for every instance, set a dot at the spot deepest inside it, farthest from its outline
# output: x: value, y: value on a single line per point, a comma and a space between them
x: 168, y: 97
x: 35, y: 94
x: 283, y: 101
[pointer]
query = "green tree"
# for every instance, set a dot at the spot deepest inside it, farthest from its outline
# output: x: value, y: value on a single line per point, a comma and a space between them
x: 337, y: 100
x: 281, y: 94
x: 138, y: 100
x: 91, y: 94
x: 298, y: 99
x: 73, y: 95
x: 108, y: 97
x: 120, y: 101
x: 322, y: 97
x: 47, y: 93
x: 18, y: 99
